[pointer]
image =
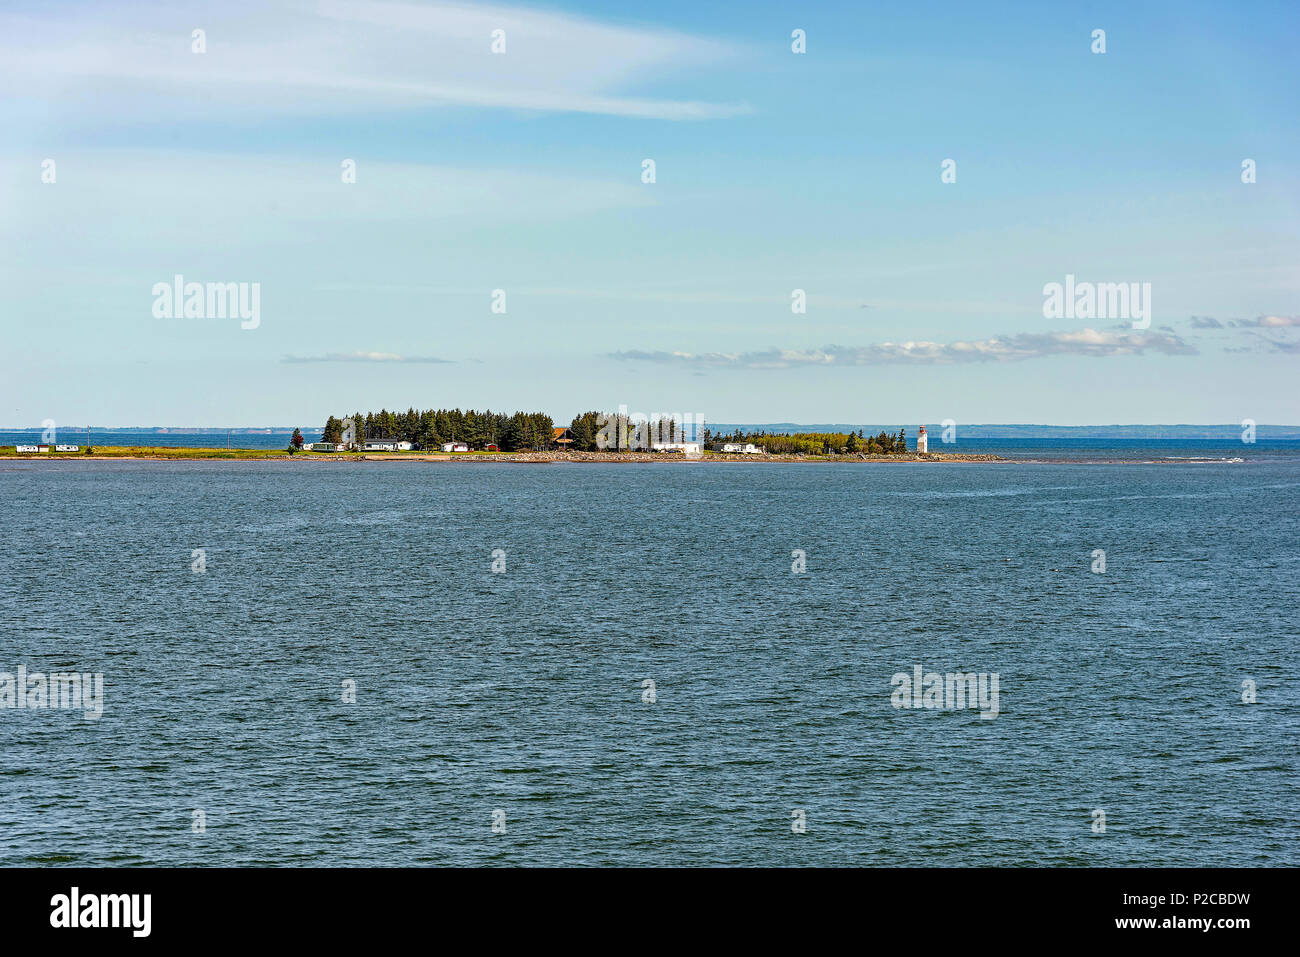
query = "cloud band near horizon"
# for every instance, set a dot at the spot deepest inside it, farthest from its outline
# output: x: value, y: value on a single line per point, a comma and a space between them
x: 1014, y: 348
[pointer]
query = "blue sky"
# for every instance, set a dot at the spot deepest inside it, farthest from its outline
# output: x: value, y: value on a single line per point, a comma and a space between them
x: 775, y: 171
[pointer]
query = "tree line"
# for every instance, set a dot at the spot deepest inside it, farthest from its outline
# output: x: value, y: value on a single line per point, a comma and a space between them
x: 816, y: 443
x: 623, y: 432
x: 527, y: 431
x: 430, y: 428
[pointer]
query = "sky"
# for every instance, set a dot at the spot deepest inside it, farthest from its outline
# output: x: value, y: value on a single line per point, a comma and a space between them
x: 128, y: 158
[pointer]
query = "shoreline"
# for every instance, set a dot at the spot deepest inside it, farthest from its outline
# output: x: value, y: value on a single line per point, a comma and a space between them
x: 188, y: 454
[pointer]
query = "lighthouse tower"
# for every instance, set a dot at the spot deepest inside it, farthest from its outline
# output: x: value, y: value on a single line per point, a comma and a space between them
x: 922, y: 441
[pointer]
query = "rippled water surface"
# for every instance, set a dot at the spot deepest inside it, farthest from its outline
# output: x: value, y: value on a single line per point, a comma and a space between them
x: 522, y: 691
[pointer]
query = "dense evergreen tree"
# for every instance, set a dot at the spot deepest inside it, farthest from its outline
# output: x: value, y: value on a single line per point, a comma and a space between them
x: 584, y: 428
x: 430, y: 428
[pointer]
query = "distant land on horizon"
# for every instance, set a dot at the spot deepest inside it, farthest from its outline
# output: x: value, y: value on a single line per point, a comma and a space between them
x: 1036, y: 431
x: 966, y: 431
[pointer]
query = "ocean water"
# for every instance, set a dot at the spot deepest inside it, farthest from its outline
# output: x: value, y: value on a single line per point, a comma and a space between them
x: 522, y: 692
x: 213, y: 439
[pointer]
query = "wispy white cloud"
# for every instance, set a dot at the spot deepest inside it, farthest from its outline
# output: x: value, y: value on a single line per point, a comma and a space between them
x: 1259, y: 335
x: 1288, y: 346
x: 1259, y: 322
x: 339, y: 55
x: 365, y: 357
x: 1083, y: 342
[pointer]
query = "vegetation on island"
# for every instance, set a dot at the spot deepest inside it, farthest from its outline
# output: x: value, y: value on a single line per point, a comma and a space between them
x: 585, y: 428
x: 588, y: 432
x: 623, y: 432
x: 429, y: 429
x: 815, y: 443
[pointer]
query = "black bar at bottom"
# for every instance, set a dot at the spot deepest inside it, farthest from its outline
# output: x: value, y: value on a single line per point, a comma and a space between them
x: 301, y: 906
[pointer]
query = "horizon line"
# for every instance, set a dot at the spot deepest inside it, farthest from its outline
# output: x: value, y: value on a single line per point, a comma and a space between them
x: 706, y: 422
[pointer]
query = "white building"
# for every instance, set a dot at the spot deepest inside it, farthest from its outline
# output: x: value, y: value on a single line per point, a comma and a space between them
x: 67, y: 448
x: 455, y: 447
x: 922, y: 442
x: 326, y: 447
x: 748, y: 448
x: 387, y: 445
x: 690, y: 448
x: 21, y: 449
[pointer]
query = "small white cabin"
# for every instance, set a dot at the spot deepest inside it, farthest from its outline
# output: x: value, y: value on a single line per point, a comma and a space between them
x: 690, y: 448
x: 455, y: 447
x: 748, y: 448
x: 388, y: 445
x: 326, y: 446
x: 67, y: 448
x: 23, y: 449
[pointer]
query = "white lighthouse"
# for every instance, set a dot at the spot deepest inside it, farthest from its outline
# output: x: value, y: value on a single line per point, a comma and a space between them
x: 922, y: 442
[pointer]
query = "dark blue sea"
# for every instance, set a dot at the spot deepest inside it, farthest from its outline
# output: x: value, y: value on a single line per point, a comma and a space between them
x: 504, y: 718
x: 207, y: 439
